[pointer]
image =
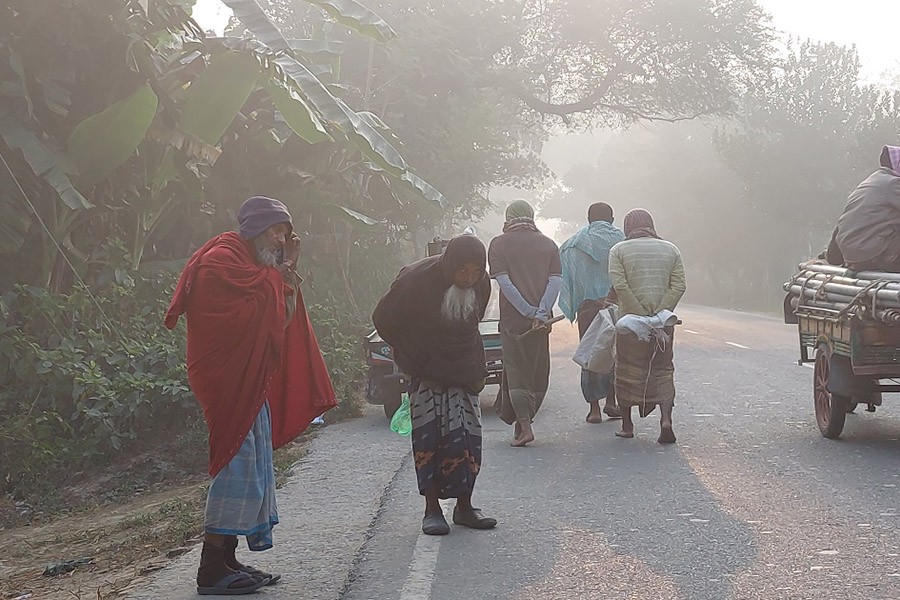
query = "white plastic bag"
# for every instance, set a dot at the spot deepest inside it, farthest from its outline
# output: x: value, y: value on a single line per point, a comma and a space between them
x: 597, y: 350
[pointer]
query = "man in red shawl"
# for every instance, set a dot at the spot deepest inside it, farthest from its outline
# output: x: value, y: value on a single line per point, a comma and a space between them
x: 255, y: 367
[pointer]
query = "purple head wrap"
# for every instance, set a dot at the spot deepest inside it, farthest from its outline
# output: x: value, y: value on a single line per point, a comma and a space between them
x: 259, y: 213
x: 890, y: 158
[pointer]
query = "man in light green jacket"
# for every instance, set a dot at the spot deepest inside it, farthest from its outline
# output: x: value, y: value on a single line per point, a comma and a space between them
x: 648, y: 277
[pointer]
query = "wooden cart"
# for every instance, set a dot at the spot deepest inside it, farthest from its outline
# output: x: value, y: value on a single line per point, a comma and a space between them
x: 857, y: 355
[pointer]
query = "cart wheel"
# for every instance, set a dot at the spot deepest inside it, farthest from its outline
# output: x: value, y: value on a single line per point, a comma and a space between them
x: 831, y: 409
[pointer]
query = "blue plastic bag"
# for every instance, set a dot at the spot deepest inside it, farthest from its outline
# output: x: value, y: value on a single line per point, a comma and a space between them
x: 401, y: 422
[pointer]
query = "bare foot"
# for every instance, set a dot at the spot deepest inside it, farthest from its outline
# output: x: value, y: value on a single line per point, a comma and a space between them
x: 625, y: 434
x: 594, y: 418
x: 520, y: 442
x: 612, y: 411
x: 666, y: 434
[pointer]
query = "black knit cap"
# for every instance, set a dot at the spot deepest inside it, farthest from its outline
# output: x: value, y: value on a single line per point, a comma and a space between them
x: 259, y: 213
x: 461, y: 251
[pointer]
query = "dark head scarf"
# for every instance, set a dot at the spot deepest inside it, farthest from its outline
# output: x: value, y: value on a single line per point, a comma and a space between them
x: 427, y: 345
x: 259, y: 213
x: 639, y: 224
x: 890, y: 158
x: 519, y: 217
x: 600, y: 211
x: 461, y: 251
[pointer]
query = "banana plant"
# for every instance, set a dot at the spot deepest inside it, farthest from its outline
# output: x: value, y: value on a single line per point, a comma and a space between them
x: 175, y: 99
x: 287, y: 65
x: 287, y: 71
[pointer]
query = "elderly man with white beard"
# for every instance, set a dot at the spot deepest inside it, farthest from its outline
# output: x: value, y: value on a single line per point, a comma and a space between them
x: 254, y: 366
x: 430, y: 318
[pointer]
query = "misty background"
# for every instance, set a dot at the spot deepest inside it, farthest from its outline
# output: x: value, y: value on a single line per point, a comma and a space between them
x: 747, y: 196
x: 131, y: 131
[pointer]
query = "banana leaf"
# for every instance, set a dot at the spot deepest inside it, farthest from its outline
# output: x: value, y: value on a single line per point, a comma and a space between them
x: 357, y: 17
x: 104, y: 141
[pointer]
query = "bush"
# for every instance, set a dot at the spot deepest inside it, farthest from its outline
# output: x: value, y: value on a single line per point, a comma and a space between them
x: 340, y: 339
x: 86, y: 374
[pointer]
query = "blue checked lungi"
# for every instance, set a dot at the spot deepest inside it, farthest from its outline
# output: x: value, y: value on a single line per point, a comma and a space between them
x: 596, y: 386
x: 241, y: 498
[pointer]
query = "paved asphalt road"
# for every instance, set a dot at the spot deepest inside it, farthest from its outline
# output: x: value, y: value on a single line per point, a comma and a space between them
x: 752, y: 503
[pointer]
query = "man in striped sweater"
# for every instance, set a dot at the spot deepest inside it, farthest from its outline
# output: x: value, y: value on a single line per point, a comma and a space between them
x: 648, y: 277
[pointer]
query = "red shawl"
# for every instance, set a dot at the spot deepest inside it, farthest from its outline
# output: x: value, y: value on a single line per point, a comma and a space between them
x: 240, y: 354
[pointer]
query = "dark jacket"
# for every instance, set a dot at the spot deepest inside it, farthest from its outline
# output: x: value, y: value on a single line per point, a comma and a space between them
x: 427, y: 346
x: 870, y: 223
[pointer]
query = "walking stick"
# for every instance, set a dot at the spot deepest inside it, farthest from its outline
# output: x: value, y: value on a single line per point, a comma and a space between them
x: 545, y: 327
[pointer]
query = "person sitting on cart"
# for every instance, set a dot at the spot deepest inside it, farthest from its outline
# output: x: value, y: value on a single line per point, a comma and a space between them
x: 867, y: 237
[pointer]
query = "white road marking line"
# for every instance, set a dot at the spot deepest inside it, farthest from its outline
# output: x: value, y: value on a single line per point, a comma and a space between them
x: 809, y: 366
x: 692, y: 331
x: 738, y: 346
x: 421, y: 571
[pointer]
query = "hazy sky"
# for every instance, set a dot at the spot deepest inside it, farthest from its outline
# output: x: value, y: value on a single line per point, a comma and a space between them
x: 211, y: 14
x: 869, y: 24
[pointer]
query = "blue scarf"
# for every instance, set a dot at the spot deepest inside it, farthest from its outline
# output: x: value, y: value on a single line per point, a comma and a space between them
x: 585, y: 265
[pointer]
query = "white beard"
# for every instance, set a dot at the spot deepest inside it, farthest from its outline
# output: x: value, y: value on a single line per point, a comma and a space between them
x: 265, y: 255
x: 458, y: 304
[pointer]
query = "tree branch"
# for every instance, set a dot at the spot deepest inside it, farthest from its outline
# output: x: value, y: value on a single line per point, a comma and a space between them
x: 586, y: 104
x: 595, y: 101
x: 643, y: 116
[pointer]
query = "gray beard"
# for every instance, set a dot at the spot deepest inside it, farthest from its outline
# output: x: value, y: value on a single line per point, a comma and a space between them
x: 266, y: 256
x: 458, y: 304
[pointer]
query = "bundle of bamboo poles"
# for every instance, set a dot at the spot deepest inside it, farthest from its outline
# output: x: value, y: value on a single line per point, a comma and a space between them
x: 865, y: 294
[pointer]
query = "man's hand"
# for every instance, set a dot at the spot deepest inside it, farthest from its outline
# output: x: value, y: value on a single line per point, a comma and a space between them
x: 292, y: 250
x: 539, y: 323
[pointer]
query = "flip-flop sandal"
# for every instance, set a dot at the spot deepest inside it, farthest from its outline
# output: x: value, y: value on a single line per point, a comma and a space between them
x: 273, y: 579
x: 435, y: 525
x: 221, y: 587
x: 474, y: 519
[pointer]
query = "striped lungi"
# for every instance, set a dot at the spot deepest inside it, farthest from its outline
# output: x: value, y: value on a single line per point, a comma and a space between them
x: 645, y: 371
x: 241, y: 498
